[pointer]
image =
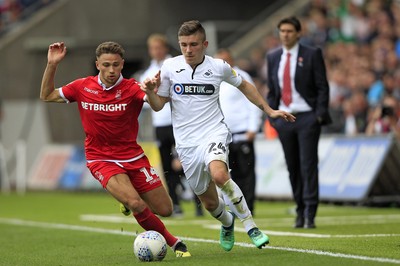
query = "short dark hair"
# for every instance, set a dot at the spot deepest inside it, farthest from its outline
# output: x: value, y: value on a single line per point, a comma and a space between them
x: 109, y: 48
x: 291, y: 20
x: 191, y: 27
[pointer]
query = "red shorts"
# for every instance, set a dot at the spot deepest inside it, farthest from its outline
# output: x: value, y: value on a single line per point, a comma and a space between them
x: 142, y: 175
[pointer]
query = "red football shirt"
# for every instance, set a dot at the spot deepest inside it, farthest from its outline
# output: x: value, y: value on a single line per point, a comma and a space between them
x: 109, y: 116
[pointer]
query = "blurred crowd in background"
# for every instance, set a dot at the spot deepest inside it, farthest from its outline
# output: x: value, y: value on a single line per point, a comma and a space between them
x: 360, y: 40
x: 13, y: 11
x: 361, y: 44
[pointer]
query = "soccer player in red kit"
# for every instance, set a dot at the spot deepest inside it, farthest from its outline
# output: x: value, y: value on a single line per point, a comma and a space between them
x: 109, y: 106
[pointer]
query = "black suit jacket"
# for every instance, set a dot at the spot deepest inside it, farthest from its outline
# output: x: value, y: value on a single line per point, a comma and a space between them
x: 310, y: 80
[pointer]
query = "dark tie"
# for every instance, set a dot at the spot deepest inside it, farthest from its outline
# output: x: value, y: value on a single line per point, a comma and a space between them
x: 287, y: 88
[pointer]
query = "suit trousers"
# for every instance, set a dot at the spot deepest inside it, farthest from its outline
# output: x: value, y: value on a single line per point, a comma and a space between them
x: 242, y: 166
x: 300, y: 146
x: 166, y: 145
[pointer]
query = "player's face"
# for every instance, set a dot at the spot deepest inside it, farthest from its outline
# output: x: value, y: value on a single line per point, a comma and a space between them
x: 110, y: 67
x: 288, y: 35
x: 193, y: 48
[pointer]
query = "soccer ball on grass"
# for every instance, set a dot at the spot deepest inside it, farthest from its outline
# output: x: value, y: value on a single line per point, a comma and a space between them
x: 150, y: 246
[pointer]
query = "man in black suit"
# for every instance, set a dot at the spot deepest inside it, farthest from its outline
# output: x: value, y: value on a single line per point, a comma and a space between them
x: 298, y: 84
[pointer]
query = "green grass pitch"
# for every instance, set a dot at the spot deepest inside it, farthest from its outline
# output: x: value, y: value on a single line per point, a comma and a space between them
x: 66, y: 228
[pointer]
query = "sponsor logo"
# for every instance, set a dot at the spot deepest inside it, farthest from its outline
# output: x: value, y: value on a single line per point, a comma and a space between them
x: 104, y: 107
x: 180, y: 70
x: 178, y: 88
x: 90, y: 90
x: 194, y: 89
x: 99, y: 176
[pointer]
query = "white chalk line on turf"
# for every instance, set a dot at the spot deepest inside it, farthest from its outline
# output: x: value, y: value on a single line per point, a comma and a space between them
x: 241, y: 244
x: 309, y: 235
x: 120, y: 219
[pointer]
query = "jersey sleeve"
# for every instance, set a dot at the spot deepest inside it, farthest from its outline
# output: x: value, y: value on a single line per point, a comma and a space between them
x: 139, y: 95
x: 70, y: 91
x: 230, y: 75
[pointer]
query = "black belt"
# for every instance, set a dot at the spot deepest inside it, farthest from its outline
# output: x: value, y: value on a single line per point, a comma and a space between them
x: 239, y: 133
x: 301, y: 113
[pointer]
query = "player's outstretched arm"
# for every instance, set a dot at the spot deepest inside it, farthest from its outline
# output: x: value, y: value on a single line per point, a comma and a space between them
x: 255, y: 97
x: 55, y: 54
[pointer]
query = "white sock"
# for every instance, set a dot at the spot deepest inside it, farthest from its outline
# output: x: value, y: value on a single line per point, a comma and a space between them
x: 233, y: 196
x: 221, y: 214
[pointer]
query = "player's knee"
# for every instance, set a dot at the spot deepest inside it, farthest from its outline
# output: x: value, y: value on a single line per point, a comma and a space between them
x: 161, y: 207
x: 220, y: 174
x: 136, y: 205
x: 164, y: 211
x: 211, y: 205
x: 220, y: 178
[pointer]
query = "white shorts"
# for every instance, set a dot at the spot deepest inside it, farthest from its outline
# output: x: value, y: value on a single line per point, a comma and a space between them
x: 195, y: 160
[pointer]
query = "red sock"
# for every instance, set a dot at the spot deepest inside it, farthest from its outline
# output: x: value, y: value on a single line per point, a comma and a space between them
x: 149, y: 221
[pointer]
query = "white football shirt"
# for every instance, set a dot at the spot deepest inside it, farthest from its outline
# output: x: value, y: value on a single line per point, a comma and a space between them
x: 194, y: 94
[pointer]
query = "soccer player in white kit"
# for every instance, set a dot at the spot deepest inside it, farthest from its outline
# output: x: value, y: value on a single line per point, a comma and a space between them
x: 191, y: 83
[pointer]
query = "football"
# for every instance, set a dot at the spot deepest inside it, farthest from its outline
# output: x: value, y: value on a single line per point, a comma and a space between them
x: 150, y: 246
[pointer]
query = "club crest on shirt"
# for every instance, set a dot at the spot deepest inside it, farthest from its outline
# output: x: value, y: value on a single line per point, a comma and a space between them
x: 194, y: 89
x: 118, y: 94
x: 208, y: 74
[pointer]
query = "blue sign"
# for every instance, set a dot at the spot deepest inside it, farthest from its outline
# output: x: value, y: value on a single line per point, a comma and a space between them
x: 350, y: 167
x: 72, y: 174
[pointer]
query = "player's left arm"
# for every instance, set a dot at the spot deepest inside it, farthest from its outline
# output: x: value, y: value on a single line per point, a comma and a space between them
x: 251, y: 93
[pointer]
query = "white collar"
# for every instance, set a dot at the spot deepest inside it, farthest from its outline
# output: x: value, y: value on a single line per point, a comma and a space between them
x: 293, y: 51
x: 109, y: 88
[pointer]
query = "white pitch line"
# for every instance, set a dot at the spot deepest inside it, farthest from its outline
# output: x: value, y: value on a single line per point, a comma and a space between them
x: 241, y: 244
x: 130, y: 220
x: 310, y: 235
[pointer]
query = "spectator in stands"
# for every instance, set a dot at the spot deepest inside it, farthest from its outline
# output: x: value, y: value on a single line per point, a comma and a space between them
x: 384, y: 118
x: 355, y: 110
x: 13, y: 11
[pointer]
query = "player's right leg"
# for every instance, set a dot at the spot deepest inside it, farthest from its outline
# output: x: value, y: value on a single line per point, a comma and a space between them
x: 237, y: 203
x: 119, y: 185
x: 158, y: 200
x: 216, y: 159
x: 216, y: 206
x: 200, y: 181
